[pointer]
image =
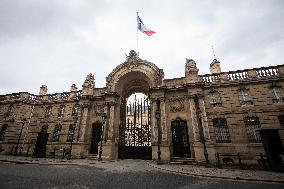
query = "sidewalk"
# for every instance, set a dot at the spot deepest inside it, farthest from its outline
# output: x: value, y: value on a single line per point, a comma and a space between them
x: 234, y: 174
x: 191, y: 170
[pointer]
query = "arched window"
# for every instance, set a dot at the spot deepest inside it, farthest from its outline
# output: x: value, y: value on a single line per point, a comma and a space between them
x: 214, y: 99
x: 3, y: 131
x: 221, y: 130
x: 70, y: 132
x: 252, y: 127
x: 56, y: 133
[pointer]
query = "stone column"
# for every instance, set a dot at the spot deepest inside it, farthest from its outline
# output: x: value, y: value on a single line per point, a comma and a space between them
x: 154, y: 129
x: 194, y: 121
x: 163, y: 120
x: 83, y: 124
x: 110, y: 123
x: 204, y: 120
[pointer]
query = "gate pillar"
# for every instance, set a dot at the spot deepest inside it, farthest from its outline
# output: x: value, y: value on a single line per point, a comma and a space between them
x: 109, y: 142
x: 164, y: 147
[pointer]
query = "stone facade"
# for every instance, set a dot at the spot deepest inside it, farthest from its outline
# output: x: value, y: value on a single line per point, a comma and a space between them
x: 214, y: 107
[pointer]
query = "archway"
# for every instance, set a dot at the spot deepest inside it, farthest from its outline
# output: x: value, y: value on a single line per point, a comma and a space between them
x: 134, y: 76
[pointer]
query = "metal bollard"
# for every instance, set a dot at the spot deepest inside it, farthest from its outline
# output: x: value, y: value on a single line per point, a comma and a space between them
x: 21, y: 148
x: 218, y: 161
x: 63, y: 151
x: 54, y: 153
x: 28, y: 151
x: 12, y: 152
x: 240, y: 161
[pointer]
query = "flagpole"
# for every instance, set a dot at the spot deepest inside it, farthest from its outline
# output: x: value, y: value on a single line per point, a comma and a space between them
x: 137, y: 34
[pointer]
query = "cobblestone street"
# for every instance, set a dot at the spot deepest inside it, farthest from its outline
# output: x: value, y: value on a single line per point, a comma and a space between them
x: 119, y: 174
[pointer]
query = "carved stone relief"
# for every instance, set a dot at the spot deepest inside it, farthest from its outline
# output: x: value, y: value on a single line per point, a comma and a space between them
x: 176, y: 104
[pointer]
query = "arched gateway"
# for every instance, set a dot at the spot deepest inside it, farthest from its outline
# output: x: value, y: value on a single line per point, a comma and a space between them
x: 133, y: 76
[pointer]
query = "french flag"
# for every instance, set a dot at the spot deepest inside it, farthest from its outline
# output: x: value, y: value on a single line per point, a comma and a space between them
x: 142, y: 28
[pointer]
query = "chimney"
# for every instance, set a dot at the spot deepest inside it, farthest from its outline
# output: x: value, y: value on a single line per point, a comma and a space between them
x: 215, y: 67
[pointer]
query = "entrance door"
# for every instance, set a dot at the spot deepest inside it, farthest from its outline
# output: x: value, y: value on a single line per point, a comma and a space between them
x: 180, y: 142
x: 273, y: 146
x: 96, y: 137
x: 40, y: 147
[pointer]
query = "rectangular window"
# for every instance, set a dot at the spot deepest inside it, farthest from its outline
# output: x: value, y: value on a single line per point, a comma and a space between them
x: 56, y: 133
x: 70, y: 134
x: 244, y: 97
x: 278, y: 95
x: 215, y: 99
x: 221, y: 130
x: 252, y: 125
x: 61, y: 111
x: 47, y: 111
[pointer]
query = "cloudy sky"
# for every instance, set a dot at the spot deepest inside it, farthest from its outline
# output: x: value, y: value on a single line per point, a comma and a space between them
x: 58, y: 42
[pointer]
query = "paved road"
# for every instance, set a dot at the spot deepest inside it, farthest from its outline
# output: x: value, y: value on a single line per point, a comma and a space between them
x: 122, y: 174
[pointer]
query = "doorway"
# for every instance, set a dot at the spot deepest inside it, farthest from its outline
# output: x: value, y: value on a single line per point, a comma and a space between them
x: 180, y: 140
x: 40, y: 147
x: 96, y: 137
x: 273, y: 147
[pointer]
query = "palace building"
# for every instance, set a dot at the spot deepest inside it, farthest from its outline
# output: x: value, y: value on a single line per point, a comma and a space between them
x: 192, y: 117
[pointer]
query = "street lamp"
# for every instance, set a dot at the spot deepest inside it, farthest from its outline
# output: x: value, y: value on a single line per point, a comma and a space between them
x: 158, y: 116
x: 104, y: 116
x: 17, y: 146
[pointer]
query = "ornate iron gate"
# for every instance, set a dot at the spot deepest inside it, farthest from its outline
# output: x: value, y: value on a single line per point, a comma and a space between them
x: 135, y: 130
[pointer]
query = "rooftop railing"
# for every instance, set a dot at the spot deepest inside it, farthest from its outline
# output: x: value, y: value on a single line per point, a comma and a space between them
x: 248, y: 74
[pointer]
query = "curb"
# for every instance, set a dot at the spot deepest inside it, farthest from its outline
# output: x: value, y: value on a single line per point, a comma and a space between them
x: 37, y: 163
x: 216, y: 177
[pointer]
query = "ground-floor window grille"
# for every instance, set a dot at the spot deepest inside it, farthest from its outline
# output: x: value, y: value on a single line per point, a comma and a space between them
x: 3, y: 131
x: 252, y: 127
x: 221, y: 130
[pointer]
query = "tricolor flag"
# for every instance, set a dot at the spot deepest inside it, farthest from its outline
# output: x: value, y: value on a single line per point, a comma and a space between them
x: 142, y: 28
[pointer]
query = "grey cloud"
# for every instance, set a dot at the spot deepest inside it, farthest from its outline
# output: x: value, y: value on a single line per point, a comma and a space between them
x: 59, y: 42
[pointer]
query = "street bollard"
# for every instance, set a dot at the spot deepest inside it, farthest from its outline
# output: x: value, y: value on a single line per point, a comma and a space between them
x: 240, y: 161
x: 28, y: 150
x: 12, y: 152
x: 54, y: 153
x: 218, y: 161
x: 63, y: 151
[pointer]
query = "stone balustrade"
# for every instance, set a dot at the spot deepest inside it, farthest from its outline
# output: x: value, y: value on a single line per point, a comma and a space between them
x: 24, y: 96
x: 247, y: 74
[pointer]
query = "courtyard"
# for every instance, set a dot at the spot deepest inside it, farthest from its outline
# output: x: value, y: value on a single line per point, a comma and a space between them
x: 111, y: 174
